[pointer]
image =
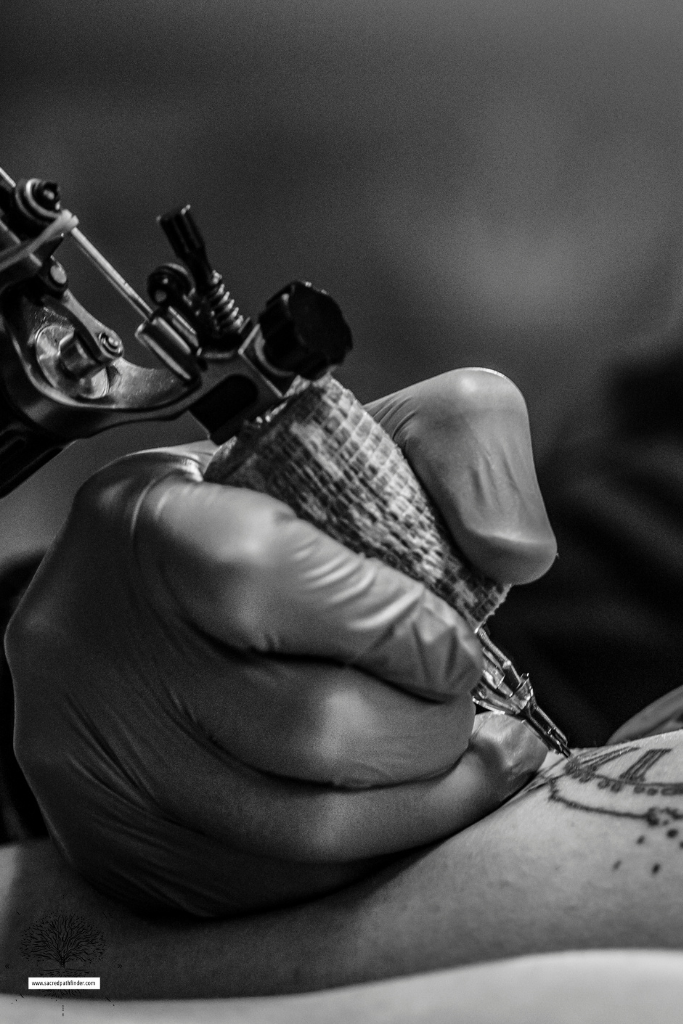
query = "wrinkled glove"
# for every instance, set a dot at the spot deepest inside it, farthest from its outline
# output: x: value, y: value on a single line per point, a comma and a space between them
x: 221, y: 709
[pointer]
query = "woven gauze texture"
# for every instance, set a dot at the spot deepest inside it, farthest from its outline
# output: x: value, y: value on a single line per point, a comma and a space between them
x: 334, y: 465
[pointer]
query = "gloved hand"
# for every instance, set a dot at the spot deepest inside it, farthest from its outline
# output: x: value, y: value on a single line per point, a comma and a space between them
x: 220, y: 709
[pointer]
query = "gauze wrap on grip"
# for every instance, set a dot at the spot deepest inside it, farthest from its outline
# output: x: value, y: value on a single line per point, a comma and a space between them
x: 335, y: 466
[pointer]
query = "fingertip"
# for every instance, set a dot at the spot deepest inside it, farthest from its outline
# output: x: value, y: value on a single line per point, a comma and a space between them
x: 510, y: 751
x: 467, y: 436
x: 512, y: 559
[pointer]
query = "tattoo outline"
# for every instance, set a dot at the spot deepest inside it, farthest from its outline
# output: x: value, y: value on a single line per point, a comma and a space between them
x: 582, y: 783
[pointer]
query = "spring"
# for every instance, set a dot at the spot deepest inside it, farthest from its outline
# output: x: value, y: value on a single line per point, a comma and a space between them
x: 220, y: 310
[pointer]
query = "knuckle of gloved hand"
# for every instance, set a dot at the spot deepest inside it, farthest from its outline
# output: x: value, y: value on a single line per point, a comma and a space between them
x: 112, y: 495
x: 35, y: 635
x: 105, y: 498
x: 20, y: 638
x: 324, y: 831
x: 352, y: 745
x: 333, y: 758
x: 330, y: 764
x: 443, y: 402
x: 476, y: 390
x: 327, y: 735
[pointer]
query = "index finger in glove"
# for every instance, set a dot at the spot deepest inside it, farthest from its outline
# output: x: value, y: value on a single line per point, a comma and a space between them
x: 466, y: 435
x: 250, y: 574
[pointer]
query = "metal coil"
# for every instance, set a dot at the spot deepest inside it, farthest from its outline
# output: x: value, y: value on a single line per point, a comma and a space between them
x: 221, y: 313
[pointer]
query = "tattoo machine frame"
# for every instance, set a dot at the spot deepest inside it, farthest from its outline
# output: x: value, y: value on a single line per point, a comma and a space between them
x: 262, y: 391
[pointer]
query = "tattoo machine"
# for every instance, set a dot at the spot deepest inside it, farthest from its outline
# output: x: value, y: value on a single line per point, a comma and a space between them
x: 264, y: 392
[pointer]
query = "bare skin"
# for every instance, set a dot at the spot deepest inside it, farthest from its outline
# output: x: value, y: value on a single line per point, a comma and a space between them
x: 595, y: 987
x: 590, y: 855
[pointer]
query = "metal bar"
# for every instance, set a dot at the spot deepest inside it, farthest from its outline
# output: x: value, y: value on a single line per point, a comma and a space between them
x: 112, y: 274
x: 6, y: 178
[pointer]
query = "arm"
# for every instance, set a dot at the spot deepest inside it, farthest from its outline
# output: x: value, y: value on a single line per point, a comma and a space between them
x: 562, y: 866
x: 630, y: 986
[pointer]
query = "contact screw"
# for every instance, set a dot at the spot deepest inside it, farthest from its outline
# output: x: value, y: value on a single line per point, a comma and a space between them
x: 217, y: 311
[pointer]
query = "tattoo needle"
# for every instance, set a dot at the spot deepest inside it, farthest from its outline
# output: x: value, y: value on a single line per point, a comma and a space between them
x: 502, y: 688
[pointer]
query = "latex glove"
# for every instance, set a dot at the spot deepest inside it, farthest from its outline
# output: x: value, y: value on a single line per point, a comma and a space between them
x: 219, y: 708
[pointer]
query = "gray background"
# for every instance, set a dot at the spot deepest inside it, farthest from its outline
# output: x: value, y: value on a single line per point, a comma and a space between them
x: 476, y: 183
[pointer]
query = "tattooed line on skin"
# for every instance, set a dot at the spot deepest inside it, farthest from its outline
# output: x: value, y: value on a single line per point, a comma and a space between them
x: 616, y: 782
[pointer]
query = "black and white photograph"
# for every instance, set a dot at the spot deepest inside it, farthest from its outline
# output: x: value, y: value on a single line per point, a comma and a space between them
x: 341, y: 512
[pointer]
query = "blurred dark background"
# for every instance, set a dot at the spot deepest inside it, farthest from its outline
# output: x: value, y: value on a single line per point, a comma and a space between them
x: 476, y: 183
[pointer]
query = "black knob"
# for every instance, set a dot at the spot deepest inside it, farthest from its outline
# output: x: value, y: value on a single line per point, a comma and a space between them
x: 304, y: 331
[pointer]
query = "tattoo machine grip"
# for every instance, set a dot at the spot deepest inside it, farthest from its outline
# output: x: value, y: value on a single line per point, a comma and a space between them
x: 334, y: 465
x: 324, y: 455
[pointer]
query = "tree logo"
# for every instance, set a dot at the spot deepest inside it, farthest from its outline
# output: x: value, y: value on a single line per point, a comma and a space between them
x: 62, y: 943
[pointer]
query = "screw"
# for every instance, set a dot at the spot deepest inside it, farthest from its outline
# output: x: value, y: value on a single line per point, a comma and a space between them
x: 57, y: 274
x: 110, y: 344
